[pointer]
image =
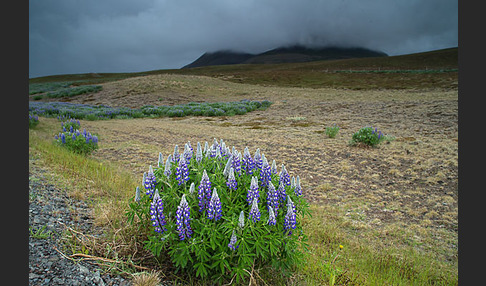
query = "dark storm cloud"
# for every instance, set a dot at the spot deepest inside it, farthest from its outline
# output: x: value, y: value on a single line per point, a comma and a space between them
x: 68, y: 36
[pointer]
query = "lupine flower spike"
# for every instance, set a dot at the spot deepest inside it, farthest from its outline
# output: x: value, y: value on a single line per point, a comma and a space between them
x: 247, y: 162
x: 258, y: 159
x: 298, y: 188
x: 284, y: 176
x: 282, y: 195
x: 253, y: 191
x: 232, y: 242
x: 192, y: 188
x: 150, y: 182
x: 254, y: 211
x: 198, y: 153
x: 183, y: 220
x: 161, y: 160
x: 214, y: 209
x: 228, y: 166
x: 271, y: 217
x: 272, y: 197
x: 157, y: 213
x: 137, y: 194
x: 204, y: 191
x: 182, y: 171
x: 265, y: 174
x: 167, y: 171
x: 273, y: 169
x: 231, y: 183
x: 290, y: 220
x: 241, y: 220
x: 176, y: 156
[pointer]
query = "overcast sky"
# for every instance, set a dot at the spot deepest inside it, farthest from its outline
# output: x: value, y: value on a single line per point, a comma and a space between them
x: 82, y: 36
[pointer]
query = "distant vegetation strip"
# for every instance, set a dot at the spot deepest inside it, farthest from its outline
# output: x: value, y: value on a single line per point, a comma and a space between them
x: 398, y: 71
x: 60, y: 89
x: 103, y: 112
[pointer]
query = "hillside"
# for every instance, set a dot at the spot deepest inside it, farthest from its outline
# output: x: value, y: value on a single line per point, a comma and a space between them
x: 292, y: 54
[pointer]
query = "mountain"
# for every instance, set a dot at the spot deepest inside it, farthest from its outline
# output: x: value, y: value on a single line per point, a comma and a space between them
x: 291, y: 54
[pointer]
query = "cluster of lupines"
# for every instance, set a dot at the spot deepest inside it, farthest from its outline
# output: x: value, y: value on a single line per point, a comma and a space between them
x: 33, y: 120
x: 197, y: 202
x: 78, y: 142
x: 368, y: 136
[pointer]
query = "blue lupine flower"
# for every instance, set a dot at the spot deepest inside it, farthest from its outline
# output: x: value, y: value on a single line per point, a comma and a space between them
x: 241, y: 220
x: 232, y: 242
x: 63, y: 138
x: 247, y: 162
x: 253, y: 191
x: 298, y: 188
x: 157, y: 213
x: 290, y: 219
x: 167, y: 170
x: 272, y: 220
x: 265, y: 173
x: 282, y: 195
x: 214, y: 209
x: 258, y: 159
x: 272, y: 197
x: 204, y: 191
x: 183, y: 221
x: 182, y: 171
x: 231, y: 183
x: 284, y: 176
x: 95, y: 139
x: 150, y: 182
x: 236, y: 162
x: 187, y: 152
x: 254, y: 211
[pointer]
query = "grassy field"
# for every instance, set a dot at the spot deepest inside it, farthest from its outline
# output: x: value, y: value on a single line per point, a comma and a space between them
x: 392, y: 208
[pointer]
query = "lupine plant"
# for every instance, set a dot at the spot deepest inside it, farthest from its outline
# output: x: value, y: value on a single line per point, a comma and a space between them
x: 78, y: 142
x: 215, y: 222
x: 368, y: 136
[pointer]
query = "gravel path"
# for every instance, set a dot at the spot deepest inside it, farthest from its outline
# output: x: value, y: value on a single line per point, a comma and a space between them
x: 51, y: 211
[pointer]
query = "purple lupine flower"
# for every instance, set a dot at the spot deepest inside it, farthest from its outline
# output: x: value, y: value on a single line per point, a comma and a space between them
x: 254, y: 211
x: 282, y: 195
x: 95, y: 139
x: 182, y: 171
x: 183, y: 221
x: 247, y: 162
x: 265, y: 173
x: 168, y: 163
x: 157, y: 213
x: 204, y: 191
x: 298, y: 188
x: 253, y: 191
x: 187, y: 152
x: 236, y: 162
x: 198, y: 153
x: 63, y: 138
x: 150, y: 182
x: 272, y: 220
x: 232, y: 242
x: 258, y: 159
x: 214, y: 208
x: 290, y: 219
x: 231, y: 183
x: 284, y: 176
x: 379, y: 135
x: 272, y: 197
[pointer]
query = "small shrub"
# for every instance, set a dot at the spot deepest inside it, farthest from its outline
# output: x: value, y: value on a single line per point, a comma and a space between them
x: 368, y: 136
x: 70, y: 125
x: 218, y: 214
x: 78, y: 142
x: 332, y: 131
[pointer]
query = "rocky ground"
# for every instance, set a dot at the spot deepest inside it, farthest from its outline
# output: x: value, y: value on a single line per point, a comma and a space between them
x: 51, y: 214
